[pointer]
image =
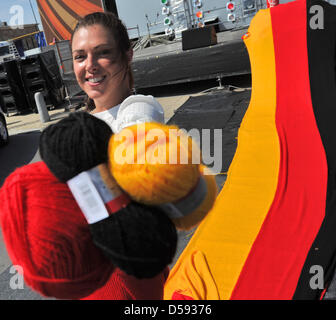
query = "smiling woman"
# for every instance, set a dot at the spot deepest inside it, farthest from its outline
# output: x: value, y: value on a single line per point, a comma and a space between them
x: 98, y: 68
x: 102, y: 55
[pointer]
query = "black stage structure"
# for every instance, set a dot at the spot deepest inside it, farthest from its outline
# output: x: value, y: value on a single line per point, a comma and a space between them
x: 166, y: 64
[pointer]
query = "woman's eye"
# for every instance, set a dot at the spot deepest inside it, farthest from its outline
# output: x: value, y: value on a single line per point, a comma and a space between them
x: 78, y: 57
x: 105, y: 52
x: 108, y: 53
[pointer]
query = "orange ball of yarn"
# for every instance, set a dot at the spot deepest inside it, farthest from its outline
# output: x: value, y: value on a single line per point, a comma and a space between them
x: 158, y: 164
x: 153, y: 163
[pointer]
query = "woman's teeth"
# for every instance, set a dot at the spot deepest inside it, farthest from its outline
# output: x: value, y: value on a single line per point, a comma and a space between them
x: 95, y: 80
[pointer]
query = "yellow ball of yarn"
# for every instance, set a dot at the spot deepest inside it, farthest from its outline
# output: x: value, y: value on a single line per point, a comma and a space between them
x: 156, y: 164
x: 145, y: 161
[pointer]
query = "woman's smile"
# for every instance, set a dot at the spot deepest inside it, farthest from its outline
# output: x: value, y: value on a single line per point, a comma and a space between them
x: 95, y: 81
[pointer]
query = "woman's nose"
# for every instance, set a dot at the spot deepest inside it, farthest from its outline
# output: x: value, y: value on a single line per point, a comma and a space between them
x: 91, y: 63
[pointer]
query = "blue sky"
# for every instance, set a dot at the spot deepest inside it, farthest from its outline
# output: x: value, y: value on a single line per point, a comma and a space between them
x: 7, y: 5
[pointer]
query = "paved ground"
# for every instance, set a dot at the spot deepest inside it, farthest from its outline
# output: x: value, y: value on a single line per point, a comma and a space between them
x: 170, y: 97
x: 30, y: 122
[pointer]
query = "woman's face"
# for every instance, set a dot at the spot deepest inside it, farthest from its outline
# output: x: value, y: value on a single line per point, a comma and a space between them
x: 98, y: 67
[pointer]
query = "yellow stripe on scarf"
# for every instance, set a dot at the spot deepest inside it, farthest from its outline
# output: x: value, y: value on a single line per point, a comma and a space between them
x: 224, y: 239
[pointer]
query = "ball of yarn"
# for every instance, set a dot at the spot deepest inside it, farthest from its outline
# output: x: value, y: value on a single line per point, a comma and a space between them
x: 138, y: 239
x: 156, y: 164
x: 138, y: 109
x: 74, y: 144
x: 46, y: 234
x: 153, y: 163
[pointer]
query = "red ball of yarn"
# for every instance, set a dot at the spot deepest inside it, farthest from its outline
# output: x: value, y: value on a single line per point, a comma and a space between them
x: 47, y: 235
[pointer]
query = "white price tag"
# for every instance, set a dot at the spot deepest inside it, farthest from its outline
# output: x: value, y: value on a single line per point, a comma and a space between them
x: 106, y: 193
x: 88, y: 198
